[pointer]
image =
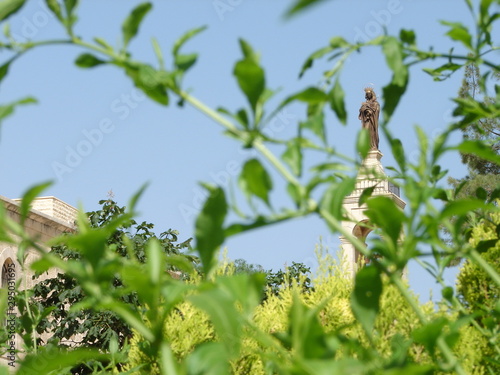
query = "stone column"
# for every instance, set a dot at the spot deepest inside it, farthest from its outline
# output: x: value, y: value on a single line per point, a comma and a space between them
x: 371, y: 174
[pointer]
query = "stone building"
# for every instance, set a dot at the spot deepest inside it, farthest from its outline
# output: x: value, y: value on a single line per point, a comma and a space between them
x: 48, y: 218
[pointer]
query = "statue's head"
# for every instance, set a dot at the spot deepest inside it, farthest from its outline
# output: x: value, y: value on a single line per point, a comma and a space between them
x: 369, y: 93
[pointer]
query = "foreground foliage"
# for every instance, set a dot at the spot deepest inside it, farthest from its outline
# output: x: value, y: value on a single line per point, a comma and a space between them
x: 345, y: 329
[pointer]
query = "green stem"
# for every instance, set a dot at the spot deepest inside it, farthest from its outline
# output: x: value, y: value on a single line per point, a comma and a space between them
x: 257, y: 144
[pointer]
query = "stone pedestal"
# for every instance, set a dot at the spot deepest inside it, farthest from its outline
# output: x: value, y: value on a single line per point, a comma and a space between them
x: 370, y: 174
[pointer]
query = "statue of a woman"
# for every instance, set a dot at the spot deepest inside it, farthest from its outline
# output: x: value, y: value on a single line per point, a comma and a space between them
x: 368, y: 114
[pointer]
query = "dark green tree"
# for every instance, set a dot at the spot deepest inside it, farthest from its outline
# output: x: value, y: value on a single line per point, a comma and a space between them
x: 86, y: 327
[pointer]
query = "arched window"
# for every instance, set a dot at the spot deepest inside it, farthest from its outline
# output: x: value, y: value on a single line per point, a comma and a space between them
x: 9, y: 274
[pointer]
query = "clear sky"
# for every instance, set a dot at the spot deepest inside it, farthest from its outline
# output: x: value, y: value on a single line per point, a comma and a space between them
x: 173, y: 149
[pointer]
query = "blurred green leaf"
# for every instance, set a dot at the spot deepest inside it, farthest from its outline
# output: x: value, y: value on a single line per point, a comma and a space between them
x: 29, y: 196
x: 87, y: 60
x: 208, y: 359
x: 363, y: 142
x: 386, y: 215
x: 54, y: 6
x: 300, y: 5
x: 59, y: 360
x: 130, y: 27
x: 310, y: 95
x: 316, y: 55
x: 152, y: 82
x: 209, y: 232
x: 333, y: 198
x: 367, y: 193
x: 7, y: 110
x: 186, y: 37
x: 251, y: 79
x: 315, y: 121
x: 336, y: 97
x: 407, y: 36
x: 9, y: 7
x: 459, y: 33
x: 365, y: 298
x: 429, y: 334
x: 223, y: 314
x: 254, y: 180
x: 293, y: 156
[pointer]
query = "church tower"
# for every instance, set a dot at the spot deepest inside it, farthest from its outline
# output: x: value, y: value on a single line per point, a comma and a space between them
x: 371, y: 174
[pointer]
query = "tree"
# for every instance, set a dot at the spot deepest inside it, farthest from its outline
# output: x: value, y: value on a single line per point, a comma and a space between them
x: 86, y: 327
x: 483, y: 173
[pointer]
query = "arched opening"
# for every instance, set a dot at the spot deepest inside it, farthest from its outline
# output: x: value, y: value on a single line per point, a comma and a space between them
x: 8, y: 274
x: 361, y: 231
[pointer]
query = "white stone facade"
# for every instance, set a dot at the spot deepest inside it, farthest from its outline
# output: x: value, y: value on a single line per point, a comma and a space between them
x: 371, y: 174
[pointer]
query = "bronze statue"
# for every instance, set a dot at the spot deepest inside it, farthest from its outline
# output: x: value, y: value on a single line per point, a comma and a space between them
x: 368, y: 114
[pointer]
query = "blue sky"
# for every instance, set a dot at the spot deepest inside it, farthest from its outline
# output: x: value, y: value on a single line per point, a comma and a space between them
x: 173, y: 149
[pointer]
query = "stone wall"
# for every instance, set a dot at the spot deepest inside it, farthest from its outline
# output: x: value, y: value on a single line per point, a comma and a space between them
x: 48, y: 218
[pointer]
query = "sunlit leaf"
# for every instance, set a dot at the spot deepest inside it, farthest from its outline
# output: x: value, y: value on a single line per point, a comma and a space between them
x: 336, y: 97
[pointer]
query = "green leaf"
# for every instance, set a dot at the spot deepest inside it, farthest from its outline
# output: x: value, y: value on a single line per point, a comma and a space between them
x: 152, y: 82
x: 184, y: 62
x: 315, y: 121
x: 386, y: 215
x: 398, y: 153
x: 311, y: 95
x: 293, y: 156
x: 392, y: 95
x: 7, y: 110
x: 209, y: 232
x: 316, y: 55
x: 363, y: 143
x: 28, y: 198
x: 480, y: 149
x: 59, y: 360
x: 130, y: 27
x: 333, y: 198
x: 365, y: 298
x: 254, y: 180
x: 367, y: 193
x: 87, y: 60
x: 185, y: 37
x: 209, y: 358
x: 251, y: 79
x: 9, y: 7
x: 462, y: 207
x: 55, y: 8
x: 336, y: 97
x: 223, y: 314
x: 393, y: 52
x: 300, y: 5
x: 407, y: 36
x: 459, y: 33
x: 429, y: 334
x: 155, y: 261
